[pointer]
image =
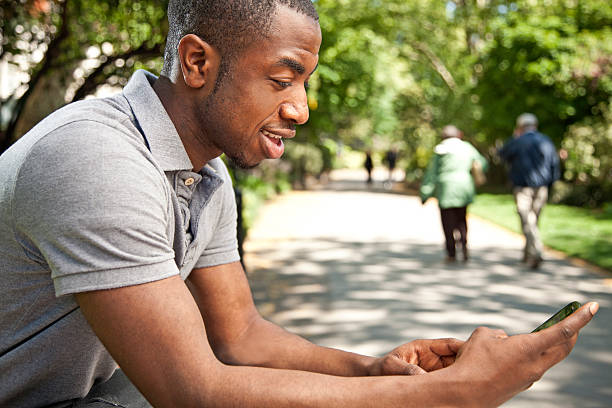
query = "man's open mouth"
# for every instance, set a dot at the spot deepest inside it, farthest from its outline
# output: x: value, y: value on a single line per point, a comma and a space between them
x: 275, y: 138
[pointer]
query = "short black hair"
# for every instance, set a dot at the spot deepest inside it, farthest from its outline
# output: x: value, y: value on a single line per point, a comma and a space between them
x: 228, y: 25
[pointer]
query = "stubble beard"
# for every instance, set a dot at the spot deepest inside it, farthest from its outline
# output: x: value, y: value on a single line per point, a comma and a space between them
x: 240, y: 162
x: 232, y: 150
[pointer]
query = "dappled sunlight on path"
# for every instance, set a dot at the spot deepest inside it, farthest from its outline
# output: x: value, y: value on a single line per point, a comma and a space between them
x: 363, y: 271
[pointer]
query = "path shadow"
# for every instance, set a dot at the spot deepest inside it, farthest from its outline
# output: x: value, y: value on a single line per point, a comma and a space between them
x: 371, y: 297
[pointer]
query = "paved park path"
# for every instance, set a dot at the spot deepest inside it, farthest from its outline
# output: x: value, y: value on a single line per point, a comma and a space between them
x: 362, y: 270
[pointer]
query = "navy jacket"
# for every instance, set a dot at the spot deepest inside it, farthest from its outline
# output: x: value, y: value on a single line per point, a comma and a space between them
x: 533, y: 160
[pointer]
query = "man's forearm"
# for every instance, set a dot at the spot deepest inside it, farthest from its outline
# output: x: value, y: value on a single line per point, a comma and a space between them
x: 265, y: 344
x: 262, y: 387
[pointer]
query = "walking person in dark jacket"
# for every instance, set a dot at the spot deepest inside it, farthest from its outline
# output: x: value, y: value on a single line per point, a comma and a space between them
x: 534, y: 166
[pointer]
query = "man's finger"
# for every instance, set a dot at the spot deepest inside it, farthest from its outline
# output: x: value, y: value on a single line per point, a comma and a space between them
x: 446, y: 347
x: 413, y: 369
x: 447, y: 360
x: 394, y: 365
x: 563, y: 331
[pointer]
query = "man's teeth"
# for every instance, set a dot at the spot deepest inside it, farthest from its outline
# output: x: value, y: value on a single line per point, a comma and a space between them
x: 266, y: 133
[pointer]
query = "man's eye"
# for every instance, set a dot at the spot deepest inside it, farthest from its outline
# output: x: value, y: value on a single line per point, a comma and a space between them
x: 282, y: 84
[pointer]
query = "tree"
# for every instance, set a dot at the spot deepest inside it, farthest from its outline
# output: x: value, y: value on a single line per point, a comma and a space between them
x: 383, y: 73
x: 68, y: 48
x: 390, y: 72
x: 553, y: 61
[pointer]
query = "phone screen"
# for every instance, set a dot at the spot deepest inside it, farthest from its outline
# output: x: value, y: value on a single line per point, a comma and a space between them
x: 560, y: 315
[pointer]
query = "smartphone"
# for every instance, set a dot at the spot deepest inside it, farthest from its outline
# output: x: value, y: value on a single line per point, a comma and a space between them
x: 560, y: 315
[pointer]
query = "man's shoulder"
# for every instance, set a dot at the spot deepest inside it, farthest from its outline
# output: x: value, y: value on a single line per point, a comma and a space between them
x: 542, y: 141
x: 112, y: 112
x: 79, y: 127
x: 537, y: 135
x: 76, y: 144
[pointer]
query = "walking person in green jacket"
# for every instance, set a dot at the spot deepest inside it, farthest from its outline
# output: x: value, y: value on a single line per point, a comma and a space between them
x: 449, y: 179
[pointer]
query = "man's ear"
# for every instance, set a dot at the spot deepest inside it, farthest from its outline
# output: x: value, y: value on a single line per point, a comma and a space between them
x: 199, y: 61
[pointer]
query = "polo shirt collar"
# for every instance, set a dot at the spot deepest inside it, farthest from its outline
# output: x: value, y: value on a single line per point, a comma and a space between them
x: 152, y: 119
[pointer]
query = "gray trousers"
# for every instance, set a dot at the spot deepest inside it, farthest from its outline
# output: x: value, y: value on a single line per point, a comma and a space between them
x: 529, y: 204
x: 118, y: 391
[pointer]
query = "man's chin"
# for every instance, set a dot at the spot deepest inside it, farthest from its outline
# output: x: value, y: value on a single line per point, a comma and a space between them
x: 241, y: 163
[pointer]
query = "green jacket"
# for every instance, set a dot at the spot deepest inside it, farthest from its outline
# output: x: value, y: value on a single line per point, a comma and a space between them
x: 448, y: 176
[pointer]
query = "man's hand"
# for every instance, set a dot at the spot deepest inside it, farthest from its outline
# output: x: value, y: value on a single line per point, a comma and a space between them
x: 495, y: 366
x: 417, y: 357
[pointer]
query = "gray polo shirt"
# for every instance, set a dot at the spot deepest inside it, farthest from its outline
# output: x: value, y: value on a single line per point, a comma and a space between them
x: 98, y: 195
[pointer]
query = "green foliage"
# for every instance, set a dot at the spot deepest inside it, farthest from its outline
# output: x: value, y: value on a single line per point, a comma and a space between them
x: 374, y: 79
x: 67, y: 49
x: 391, y: 73
x: 543, y: 63
x: 589, y: 148
x: 305, y: 160
x: 574, y: 231
x: 255, y: 191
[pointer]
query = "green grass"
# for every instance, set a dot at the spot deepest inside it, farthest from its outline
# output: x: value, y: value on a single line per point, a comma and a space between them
x: 578, y: 232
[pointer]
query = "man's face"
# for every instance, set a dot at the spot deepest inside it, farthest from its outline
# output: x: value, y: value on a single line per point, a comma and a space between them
x: 263, y: 96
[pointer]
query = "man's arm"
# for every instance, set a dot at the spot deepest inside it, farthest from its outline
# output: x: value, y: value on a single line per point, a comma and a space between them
x: 507, y: 151
x: 240, y: 336
x: 555, y: 164
x: 428, y: 185
x: 156, y: 334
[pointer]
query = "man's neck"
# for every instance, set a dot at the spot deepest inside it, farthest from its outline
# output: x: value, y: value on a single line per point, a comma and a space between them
x: 176, y: 103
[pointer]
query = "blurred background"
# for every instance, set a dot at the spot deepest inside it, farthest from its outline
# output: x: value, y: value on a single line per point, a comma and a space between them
x: 391, y: 74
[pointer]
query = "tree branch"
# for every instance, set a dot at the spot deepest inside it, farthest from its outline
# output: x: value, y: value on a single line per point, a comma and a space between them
x: 437, y: 64
x: 97, y: 77
x: 45, y: 65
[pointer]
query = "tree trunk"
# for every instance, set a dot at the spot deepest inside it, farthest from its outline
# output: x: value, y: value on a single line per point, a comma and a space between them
x: 16, y: 126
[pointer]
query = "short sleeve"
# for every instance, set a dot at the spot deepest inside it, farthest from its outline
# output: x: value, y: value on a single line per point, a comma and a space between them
x: 428, y: 185
x: 95, y: 207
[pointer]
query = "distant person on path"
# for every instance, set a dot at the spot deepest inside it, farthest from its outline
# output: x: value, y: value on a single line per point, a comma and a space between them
x: 534, y: 167
x: 118, y: 246
x: 448, y: 178
x: 369, y: 165
x: 390, y: 161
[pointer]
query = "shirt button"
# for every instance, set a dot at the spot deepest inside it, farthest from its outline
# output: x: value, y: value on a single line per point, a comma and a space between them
x: 189, y: 181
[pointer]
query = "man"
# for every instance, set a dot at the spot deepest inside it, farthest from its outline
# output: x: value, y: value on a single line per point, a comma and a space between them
x: 117, y: 243
x: 534, y: 166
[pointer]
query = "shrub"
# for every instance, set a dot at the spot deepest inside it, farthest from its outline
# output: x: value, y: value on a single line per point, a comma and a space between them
x: 587, y: 146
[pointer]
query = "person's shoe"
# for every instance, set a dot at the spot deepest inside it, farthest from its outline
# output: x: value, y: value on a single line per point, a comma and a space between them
x: 465, y: 255
x: 450, y: 259
x: 535, y: 263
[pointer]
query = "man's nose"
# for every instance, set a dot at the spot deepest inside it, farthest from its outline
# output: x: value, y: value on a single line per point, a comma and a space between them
x: 296, y: 109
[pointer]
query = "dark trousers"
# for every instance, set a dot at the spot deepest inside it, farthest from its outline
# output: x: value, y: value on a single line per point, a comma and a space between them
x: 453, y: 219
